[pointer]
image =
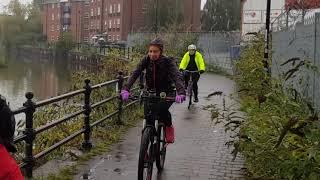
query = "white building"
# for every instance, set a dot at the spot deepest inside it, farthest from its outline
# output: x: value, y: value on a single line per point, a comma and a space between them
x: 254, y: 14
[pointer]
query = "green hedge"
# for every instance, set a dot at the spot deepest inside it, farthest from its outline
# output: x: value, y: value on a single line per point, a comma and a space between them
x: 280, y: 135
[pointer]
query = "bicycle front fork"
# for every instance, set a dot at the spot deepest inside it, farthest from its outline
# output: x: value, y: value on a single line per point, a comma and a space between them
x: 156, y: 124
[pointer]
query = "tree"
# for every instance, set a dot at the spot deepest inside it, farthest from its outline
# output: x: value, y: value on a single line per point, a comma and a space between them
x: 302, y: 6
x: 20, y: 26
x: 160, y: 14
x: 221, y: 15
x: 299, y: 8
x: 15, y: 8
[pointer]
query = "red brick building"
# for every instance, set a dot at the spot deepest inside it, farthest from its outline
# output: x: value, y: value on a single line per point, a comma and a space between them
x: 65, y: 16
x: 89, y: 20
x: 51, y: 20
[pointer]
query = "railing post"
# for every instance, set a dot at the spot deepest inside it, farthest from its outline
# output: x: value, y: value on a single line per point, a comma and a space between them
x: 29, y: 132
x: 120, y: 107
x: 87, y: 145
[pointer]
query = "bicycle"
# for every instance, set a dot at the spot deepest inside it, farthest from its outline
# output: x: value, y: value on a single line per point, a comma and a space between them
x: 153, y: 145
x: 190, y: 87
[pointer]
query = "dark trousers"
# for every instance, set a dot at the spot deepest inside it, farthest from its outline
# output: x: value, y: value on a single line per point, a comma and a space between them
x: 195, y: 78
x: 160, y: 110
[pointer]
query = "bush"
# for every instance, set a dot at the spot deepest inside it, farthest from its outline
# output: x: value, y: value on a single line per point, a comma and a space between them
x: 47, y: 114
x: 175, y: 44
x: 65, y: 43
x: 279, y: 137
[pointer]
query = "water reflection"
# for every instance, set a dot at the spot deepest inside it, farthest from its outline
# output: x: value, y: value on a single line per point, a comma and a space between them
x: 45, y: 78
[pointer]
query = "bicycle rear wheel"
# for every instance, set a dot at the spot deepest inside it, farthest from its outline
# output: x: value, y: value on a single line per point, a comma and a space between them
x: 161, y: 147
x: 145, y: 165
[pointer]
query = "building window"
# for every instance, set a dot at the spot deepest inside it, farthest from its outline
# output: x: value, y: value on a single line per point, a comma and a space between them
x: 119, y: 8
x: 113, y: 37
x: 105, y: 23
x: 118, y: 37
x: 109, y: 37
x: 58, y: 27
x: 58, y: 15
x: 52, y: 6
x: 98, y: 11
x: 86, y: 27
x: 110, y: 24
x: 110, y: 10
x: 86, y: 15
x: 58, y: 5
x: 118, y: 23
x: 91, y: 12
x: 114, y: 8
x: 52, y: 17
x: 106, y: 9
x: 91, y: 24
x: 92, y: 1
x: 52, y: 38
x: 52, y: 27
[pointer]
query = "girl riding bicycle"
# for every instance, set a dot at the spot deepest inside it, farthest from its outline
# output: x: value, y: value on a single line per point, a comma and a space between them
x: 161, y: 75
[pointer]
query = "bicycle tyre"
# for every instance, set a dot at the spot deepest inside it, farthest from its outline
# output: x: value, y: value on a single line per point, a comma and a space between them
x: 146, y: 153
x: 190, y: 90
x: 161, y: 147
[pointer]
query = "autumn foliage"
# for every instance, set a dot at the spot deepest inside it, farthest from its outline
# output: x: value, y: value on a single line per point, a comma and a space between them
x: 302, y: 4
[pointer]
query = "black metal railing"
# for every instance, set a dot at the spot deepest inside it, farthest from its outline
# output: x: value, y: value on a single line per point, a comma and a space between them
x: 30, y: 107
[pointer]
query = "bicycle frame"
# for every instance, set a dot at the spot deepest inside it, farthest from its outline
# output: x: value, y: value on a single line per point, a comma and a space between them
x: 151, y: 149
x: 190, y: 87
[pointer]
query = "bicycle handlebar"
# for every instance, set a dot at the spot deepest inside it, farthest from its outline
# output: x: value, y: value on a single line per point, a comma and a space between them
x: 152, y: 97
x: 191, y: 71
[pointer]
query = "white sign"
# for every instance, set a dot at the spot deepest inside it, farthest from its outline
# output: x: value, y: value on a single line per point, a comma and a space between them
x: 252, y: 17
x: 274, y: 13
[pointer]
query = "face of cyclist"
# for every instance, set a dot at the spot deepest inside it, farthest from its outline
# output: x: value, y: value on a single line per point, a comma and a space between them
x: 192, y: 51
x: 154, y: 52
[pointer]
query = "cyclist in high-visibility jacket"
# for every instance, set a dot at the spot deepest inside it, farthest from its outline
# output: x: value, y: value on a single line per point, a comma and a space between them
x: 192, y: 61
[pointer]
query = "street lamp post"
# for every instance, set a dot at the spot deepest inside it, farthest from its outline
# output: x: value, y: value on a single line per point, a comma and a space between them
x: 267, y: 38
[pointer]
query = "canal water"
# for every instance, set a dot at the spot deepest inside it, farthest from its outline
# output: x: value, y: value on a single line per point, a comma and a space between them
x: 45, y: 78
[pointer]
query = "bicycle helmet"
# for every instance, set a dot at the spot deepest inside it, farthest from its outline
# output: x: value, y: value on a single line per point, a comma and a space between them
x: 157, y: 42
x: 192, y: 47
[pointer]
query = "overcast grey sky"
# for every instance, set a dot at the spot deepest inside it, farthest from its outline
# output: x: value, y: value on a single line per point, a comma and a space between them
x: 5, y: 2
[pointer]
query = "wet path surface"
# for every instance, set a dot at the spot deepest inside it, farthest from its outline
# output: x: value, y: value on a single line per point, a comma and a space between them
x: 199, y: 152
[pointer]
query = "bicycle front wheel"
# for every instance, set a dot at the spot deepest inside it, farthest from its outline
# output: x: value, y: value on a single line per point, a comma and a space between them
x: 161, y: 147
x: 145, y: 165
x: 190, y: 90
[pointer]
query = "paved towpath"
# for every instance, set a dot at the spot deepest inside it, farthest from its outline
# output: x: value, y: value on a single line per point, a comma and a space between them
x: 199, y: 152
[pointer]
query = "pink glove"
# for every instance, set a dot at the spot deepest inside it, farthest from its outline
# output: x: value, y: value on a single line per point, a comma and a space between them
x: 124, y: 95
x: 180, y: 98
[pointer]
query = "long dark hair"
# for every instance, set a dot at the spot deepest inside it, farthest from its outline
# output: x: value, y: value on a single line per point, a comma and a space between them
x: 7, y: 125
